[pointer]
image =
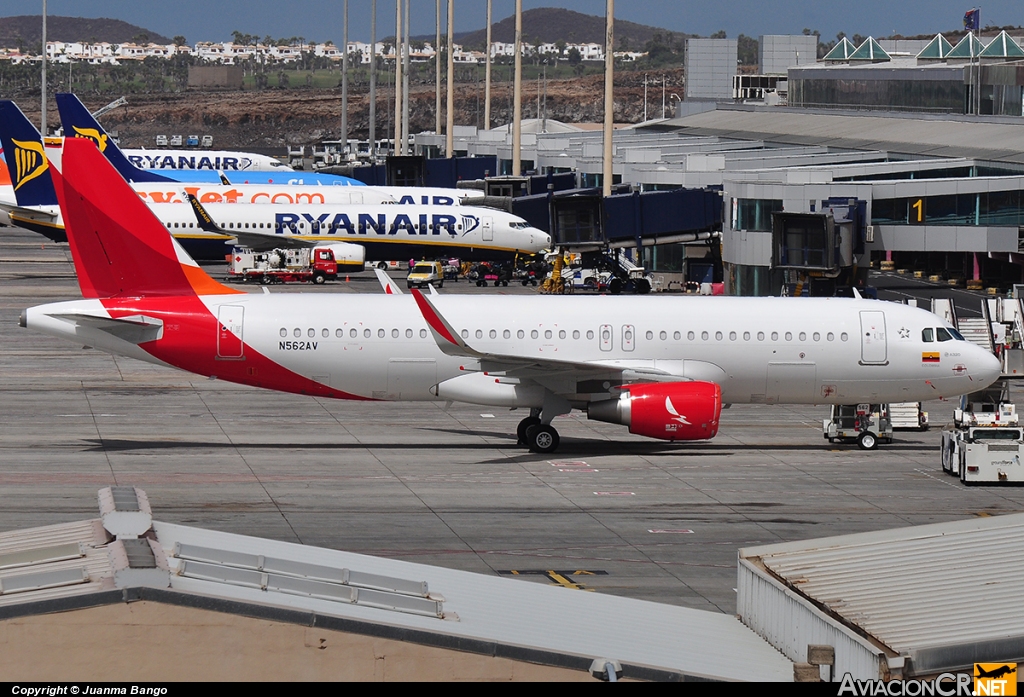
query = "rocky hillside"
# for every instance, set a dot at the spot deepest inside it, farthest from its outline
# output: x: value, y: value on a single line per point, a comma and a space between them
x: 549, y: 24
x: 272, y: 119
x: 27, y: 31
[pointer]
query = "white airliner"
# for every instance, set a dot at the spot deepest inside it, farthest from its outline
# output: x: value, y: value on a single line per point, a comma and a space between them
x: 213, y: 160
x: 662, y: 366
x: 384, y: 231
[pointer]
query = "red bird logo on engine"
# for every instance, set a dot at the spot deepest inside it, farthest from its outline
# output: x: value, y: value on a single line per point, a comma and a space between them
x: 676, y: 416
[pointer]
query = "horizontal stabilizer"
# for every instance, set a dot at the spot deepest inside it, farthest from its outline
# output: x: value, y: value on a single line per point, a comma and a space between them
x: 136, y: 329
x: 36, y: 214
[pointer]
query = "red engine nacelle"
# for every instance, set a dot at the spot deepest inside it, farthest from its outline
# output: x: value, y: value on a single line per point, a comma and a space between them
x: 666, y: 410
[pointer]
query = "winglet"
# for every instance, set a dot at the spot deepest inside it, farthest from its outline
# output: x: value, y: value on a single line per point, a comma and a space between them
x: 448, y: 340
x: 389, y: 286
x: 203, y: 218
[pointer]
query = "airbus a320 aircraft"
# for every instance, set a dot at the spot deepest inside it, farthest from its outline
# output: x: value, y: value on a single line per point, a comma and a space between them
x: 662, y: 366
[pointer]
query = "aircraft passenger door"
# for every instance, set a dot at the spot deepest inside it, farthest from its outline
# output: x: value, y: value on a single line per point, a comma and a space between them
x: 487, y: 227
x: 628, y: 337
x: 229, y: 331
x: 605, y: 337
x: 872, y: 337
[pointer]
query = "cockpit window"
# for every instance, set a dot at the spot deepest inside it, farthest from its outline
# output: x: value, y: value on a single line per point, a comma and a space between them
x: 957, y: 335
x: 943, y: 334
x: 928, y: 335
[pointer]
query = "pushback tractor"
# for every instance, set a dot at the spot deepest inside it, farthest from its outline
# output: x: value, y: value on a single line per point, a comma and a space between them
x: 985, y: 444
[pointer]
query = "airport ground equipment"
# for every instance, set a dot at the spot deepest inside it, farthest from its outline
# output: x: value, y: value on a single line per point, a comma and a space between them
x: 908, y: 416
x: 304, y: 265
x: 425, y: 273
x: 986, y: 442
x: 865, y: 424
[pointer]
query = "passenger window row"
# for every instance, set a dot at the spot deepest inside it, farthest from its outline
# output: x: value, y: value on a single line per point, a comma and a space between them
x: 576, y: 334
x: 354, y: 333
x: 663, y: 335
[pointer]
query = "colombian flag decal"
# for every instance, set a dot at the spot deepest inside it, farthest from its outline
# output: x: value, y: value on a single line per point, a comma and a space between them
x: 930, y: 357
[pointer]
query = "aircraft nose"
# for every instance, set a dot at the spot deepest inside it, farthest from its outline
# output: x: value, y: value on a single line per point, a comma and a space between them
x: 985, y: 368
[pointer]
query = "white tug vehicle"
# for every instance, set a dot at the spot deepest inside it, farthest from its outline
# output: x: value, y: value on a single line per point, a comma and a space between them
x: 986, y: 442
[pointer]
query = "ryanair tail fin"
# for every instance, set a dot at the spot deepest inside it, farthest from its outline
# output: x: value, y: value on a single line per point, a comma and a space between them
x: 119, y: 246
x: 26, y: 160
x: 79, y: 123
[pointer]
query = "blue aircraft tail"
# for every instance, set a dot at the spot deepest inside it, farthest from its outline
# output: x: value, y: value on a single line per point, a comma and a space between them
x: 79, y: 123
x: 26, y: 159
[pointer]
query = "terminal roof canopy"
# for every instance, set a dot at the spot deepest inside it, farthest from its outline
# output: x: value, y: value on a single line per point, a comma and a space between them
x: 842, y: 51
x: 937, y: 49
x: 870, y: 50
x: 1003, y: 47
x: 969, y: 47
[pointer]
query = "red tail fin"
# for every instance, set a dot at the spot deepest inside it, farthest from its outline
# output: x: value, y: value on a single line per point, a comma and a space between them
x: 119, y: 246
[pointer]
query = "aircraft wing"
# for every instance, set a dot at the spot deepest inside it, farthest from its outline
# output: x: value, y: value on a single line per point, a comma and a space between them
x: 546, y: 371
x: 262, y: 242
x: 137, y: 329
x: 28, y: 213
x: 256, y: 241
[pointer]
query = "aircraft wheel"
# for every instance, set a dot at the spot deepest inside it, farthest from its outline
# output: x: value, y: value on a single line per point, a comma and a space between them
x: 867, y: 441
x: 542, y: 439
x: 523, y: 426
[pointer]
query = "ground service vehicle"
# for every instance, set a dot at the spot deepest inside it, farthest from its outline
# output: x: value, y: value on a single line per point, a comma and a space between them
x: 425, y: 273
x: 317, y: 265
x: 986, y: 443
x: 866, y: 424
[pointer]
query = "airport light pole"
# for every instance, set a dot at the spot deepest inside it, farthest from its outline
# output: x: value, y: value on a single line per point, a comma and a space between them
x: 373, y: 81
x: 405, y: 83
x: 42, y: 123
x: 609, y: 104
x: 398, y: 76
x: 517, y: 96
x: 487, y: 73
x: 449, y: 136
x: 437, y: 69
x: 344, y: 81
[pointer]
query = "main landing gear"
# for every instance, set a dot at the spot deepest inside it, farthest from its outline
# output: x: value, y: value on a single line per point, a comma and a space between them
x: 536, y: 435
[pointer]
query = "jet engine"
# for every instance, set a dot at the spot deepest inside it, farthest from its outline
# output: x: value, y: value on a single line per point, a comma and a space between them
x: 348, y: 256
x: 665, y: 410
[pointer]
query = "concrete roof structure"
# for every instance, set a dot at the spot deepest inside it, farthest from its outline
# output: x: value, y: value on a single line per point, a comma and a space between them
x: 125, y: 556
x: 900, y: 602
x: 991, y: 138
